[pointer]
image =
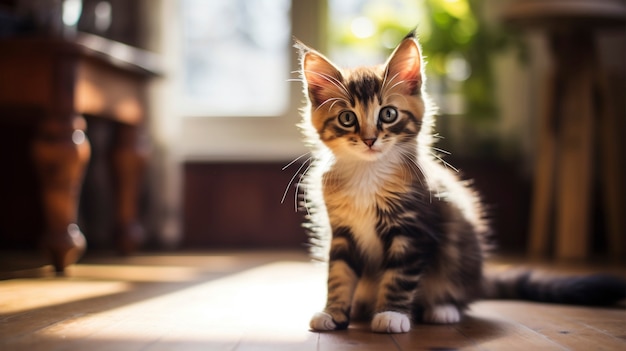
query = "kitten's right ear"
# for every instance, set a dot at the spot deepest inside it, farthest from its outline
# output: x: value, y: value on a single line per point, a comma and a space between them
x: 405, y: 65
x: 323, y: 79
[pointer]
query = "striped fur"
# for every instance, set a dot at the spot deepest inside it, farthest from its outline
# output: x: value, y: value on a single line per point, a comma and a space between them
x: 404, y: 238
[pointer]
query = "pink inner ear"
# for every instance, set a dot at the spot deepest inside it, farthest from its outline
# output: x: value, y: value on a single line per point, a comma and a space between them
x: 324, y: 80
x: 405, y: 65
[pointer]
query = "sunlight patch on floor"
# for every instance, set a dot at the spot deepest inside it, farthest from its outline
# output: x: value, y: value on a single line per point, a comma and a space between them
x: 211, y: 261
x: 135, y: 273
x: 30, y: 294
x: 272, y: 301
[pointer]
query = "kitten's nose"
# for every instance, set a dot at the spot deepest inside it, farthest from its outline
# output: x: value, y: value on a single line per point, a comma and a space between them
x: 369, y: 142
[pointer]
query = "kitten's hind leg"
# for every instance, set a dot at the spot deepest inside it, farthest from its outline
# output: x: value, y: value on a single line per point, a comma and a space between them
x: 442, y: 314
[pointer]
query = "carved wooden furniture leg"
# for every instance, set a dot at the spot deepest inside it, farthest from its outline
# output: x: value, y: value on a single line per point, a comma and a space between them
x: 129, y: 162
x: 61, y: 151
x: 576, y: 162
x: 611, y: 127
x: 543, y: 192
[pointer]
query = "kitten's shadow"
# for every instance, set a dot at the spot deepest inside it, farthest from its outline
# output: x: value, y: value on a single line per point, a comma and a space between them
x: 470, y: 332
x: 481, y: 329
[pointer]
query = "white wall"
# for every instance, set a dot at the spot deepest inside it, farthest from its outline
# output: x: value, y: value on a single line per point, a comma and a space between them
x: 177, y: 138
x: 241, y: 138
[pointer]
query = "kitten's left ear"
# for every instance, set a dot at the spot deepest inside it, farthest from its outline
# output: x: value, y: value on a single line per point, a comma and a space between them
x: 405, y: 65
x: 323, y: 79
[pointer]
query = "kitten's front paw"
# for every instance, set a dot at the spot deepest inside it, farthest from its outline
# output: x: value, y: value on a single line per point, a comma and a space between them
x: 442, y: 314
x: 323, y: 321
x: 391, y: 322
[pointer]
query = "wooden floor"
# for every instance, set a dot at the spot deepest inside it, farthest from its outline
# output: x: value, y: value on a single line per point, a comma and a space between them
x: 254, y: 301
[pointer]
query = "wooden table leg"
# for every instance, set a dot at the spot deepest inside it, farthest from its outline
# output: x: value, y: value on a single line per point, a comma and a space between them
x: 61, y: 152
x: 543, y: 191
x: 611, y: 126
x: 129, y: 162
x: 574, y: 52
x: 563, y: 178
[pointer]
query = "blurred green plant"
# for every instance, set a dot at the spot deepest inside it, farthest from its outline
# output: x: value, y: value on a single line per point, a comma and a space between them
x: 451, y: 32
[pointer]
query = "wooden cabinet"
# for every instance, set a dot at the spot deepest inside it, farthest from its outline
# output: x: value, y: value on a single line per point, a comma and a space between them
x: 50, y: 84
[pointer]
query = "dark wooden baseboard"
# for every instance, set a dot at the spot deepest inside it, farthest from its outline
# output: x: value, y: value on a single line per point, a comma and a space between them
x: 238, y: 205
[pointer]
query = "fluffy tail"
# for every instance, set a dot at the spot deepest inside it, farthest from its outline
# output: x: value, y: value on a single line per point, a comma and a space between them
x: 524, y: 284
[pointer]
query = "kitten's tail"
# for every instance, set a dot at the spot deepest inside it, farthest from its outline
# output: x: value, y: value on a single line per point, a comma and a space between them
x: 525, y: 284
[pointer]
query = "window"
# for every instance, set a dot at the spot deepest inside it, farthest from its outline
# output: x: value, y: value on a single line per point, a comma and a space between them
x: 235, y: 57
x: 365, y: 31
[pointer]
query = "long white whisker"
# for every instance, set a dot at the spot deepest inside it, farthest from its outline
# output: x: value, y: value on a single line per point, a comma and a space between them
x: 402, y: 82
x: 295, y: 160
x: 282, y: 200
x: 305, y: 189
x: 334, y: 81
x: 386, y: 83
x: 441, y: 150
x: 438, y: 136
x: 334, y: 100
x: 444, y: 162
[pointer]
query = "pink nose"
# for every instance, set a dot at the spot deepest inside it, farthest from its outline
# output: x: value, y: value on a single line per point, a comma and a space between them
x: 369, y: 142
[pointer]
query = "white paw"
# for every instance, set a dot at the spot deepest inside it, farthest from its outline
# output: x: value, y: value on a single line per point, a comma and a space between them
x: 322, y: 321
x: 391, y: 322
x: 442, y: 314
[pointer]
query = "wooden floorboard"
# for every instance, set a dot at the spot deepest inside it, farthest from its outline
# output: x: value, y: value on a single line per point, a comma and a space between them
x: 252, y: 301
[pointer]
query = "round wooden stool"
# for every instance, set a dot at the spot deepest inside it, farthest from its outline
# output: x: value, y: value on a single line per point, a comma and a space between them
x: 578, y: 117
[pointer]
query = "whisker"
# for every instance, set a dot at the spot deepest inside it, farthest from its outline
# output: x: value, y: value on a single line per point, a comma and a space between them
x: 441, y: 150
x: 305, y: 189
x: 444, y: 162
x: 402, y: 82
x: 334, y: 81
x: 385, y: 83
x: 282, y: 200
x: 334, y: 100
x: 296, y: 160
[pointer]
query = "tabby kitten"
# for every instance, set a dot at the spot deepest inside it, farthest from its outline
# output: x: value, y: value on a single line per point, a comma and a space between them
x: 407, y: 238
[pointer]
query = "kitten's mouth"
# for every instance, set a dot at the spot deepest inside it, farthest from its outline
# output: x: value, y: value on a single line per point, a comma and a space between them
x: 372, y: 153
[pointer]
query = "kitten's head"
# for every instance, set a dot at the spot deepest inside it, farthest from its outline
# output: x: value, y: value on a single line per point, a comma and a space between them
x: 366, y: 112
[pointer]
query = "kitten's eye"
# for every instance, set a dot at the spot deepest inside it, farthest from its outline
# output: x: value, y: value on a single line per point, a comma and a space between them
x: 388, y: 114
x: 347, y: 118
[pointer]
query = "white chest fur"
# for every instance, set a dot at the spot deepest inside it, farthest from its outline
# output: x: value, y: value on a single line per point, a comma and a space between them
x: 352, y: 197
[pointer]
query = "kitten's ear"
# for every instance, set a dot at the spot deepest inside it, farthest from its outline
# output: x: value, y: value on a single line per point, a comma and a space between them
x: 323, y: 79
x: 405, y: 65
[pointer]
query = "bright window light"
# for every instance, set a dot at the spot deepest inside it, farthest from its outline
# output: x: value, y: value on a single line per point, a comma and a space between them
x: 235, y: 57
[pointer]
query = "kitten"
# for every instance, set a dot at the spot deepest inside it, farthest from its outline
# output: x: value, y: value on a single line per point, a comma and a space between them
x: 406, y: 237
